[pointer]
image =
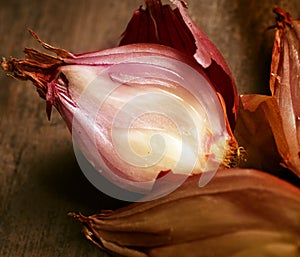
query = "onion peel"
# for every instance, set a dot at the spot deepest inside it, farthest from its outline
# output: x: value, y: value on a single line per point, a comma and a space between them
x: 240, y: 204
x: 285, y: 83
x: 161, y: 24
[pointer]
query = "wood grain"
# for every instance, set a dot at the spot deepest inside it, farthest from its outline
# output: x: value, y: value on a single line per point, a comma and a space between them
x: 40, y: 181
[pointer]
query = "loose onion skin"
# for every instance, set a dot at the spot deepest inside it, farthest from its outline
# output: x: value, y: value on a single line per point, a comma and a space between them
x: 268, y: 126
x: 285, y: 83
x: 255, y: 209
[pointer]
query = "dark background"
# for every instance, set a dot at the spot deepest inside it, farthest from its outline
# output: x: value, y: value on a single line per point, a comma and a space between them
x: 40, y: 181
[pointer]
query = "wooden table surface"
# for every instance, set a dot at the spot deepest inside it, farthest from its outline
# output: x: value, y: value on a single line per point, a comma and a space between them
x: 40, y: 181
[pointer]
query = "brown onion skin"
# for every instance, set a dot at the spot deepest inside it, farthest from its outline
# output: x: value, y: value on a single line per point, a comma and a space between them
x: 160, y: 24
x: 284, y: 83
x: 253, y: 207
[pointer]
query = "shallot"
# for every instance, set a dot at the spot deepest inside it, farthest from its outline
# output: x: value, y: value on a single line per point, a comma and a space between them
x: 153, y: 110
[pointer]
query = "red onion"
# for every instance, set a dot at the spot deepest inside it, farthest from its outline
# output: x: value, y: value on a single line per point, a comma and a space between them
x: 142, y: 113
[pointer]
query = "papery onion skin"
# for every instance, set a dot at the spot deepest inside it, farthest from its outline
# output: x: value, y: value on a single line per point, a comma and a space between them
x: 160, y: 24
x: 50, y: 75
x: 268, y: 126
x: 285, y: 83
x: 259, y: 130
x: 253, y: 208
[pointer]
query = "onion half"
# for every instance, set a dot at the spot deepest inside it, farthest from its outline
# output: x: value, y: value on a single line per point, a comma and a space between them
x: 141, y: 113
